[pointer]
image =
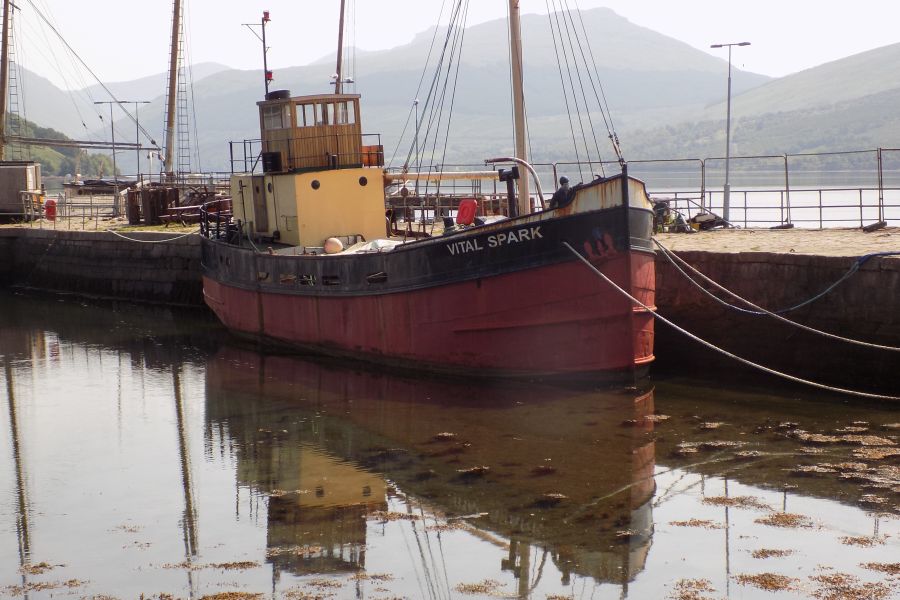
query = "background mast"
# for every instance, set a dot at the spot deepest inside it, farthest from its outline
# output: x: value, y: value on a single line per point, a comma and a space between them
x: 4, y: 76
x: 172, y: 93
x: 340, y: 51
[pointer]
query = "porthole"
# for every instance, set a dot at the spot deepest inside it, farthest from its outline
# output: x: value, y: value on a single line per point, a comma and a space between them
x: 363, y: 181
x: 315, y: 184
x: 269, y: 187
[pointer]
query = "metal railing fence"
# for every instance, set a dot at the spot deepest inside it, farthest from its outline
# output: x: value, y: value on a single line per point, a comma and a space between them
x: 809, y: 190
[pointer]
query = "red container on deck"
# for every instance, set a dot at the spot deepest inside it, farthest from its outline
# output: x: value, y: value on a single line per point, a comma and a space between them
x: 465, y: 215
x: 50, y: 209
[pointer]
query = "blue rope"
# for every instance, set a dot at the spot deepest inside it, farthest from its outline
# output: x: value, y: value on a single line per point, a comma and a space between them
x: 862, y: 259
x: 852, y: 271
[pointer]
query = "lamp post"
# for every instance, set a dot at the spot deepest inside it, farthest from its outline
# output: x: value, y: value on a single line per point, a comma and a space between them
x: 726, y: 196
x: 137, y: 142
x: 137, y: 134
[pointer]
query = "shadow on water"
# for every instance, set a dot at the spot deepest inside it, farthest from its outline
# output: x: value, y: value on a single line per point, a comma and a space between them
x: 148, y: 454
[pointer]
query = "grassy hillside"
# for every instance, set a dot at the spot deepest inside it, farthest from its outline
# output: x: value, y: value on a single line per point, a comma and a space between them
x: 849, y: 119
x: 61, y: 161
x: 827, y: 85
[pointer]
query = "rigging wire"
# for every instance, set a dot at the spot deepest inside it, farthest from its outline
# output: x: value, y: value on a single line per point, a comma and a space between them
x: 512, y: 109
x: 89, y: 70
x: 436, y: 78
x: 567, y: 16
x: 54, y: 63
x: 186, y: 23
x: 350, y: 53
x: 604, y: 105
x: 22, y: 116
x: 77, y: 89
x: 435, y: 110
x: 418, y: 87
x: 562, y: 82
x: 572, y: 72
x: 462, y: 37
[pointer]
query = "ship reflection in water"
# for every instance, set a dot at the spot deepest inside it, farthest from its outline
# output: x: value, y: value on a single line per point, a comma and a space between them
x: 540, y: 476
x: 143, y: 454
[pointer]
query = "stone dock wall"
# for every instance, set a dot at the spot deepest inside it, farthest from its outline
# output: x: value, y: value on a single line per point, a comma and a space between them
x: 866, y: 306
x: 103, y: 264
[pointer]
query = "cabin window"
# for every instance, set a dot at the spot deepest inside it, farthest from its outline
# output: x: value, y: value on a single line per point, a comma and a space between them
x: 276, y: 117
x: 322, y: 114
x: 346, y: 113
x: 306, y: 116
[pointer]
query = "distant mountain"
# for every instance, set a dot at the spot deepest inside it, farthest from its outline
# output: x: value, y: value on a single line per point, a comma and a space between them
x: 73, y: 112
x: 648, y: 79
x: 666, y: 97
x: 848, y: 104
x: 152, y: 86
x: 827, y: 85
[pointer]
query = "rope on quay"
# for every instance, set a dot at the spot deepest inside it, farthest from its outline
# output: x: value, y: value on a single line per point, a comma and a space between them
x: 722, y: 351
x: 172, y: 239
x: 759, y: 311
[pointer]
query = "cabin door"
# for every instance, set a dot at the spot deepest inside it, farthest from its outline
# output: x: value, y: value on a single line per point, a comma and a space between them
x: 260, y: 209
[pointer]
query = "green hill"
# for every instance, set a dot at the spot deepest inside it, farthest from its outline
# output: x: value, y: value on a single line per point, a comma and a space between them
x: 60, y: 161
x: 849, y: 104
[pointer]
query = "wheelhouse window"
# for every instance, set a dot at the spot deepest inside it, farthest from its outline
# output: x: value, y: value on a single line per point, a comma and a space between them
x: 306, y: 115
x: 346, y: 113
x: 322, y: 111
x: 276, y: 117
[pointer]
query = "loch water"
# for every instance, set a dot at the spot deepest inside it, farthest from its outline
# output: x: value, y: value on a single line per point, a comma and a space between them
x: 145, y: 453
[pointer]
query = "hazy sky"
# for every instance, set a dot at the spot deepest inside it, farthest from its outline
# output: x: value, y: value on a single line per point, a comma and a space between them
x: 127, y: 39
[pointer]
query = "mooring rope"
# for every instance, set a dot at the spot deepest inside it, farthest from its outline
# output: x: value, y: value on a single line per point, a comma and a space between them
x: 172, y: 239
x: 722, y: 351
x: 850, y: 272
x: 758, y: 310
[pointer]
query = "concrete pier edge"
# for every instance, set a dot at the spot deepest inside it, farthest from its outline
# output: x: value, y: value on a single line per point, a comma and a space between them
x: 103, y: 264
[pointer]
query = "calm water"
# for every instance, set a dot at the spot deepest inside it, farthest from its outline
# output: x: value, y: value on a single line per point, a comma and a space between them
x: 144, y: 453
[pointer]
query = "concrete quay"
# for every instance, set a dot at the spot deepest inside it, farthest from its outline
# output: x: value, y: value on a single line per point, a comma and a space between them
x: 778, y: 269
x: 142, y: 266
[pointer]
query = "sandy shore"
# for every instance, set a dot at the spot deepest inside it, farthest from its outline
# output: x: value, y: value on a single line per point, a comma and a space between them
x: 825, y: 242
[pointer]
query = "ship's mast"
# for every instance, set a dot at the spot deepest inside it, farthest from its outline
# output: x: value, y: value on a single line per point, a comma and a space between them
x: 173, y: 91
x: 515, y: 50
x: 4, y: 76
x: 340, y: 51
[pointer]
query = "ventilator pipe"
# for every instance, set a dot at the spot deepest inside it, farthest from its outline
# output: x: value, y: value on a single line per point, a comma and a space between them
x: 519, y: 161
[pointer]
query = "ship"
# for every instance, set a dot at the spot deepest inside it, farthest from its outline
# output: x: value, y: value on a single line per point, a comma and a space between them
x: 310, y: 257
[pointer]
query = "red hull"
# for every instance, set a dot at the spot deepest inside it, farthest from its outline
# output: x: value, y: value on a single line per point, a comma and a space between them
x: 554, y: 319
